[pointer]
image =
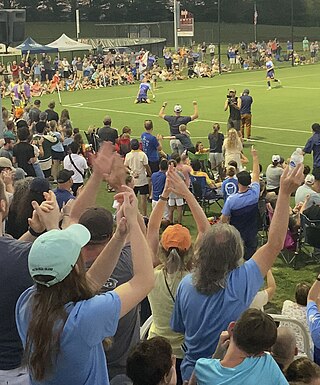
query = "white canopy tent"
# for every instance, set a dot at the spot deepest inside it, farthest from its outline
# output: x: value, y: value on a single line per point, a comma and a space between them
x: 65, y: 43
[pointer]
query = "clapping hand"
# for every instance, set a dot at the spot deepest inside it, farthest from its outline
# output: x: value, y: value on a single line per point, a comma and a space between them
x: 103, y: 162
x: 129, y: 204
x: 291, y: 179
x: 48, y: 212
x: 175, y: 183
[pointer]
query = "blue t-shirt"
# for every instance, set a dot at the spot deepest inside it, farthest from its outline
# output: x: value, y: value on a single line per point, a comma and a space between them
x: 81, y: 359
x: 150, y: 146
x: 202, y: 318
x: 63, y: 196
x: 313, y: 318
x: 262, y: 369
x: 229, y: 187
x: 158, y: 180
x: 313, y: 145
x: 58, y: 147
x: 246, y: 102
x: 242, y: 208
x: 143, y: 89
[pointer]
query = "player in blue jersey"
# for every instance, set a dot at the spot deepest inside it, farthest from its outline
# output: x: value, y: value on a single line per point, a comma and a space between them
x: 270, y: 72
x: 142, y: 96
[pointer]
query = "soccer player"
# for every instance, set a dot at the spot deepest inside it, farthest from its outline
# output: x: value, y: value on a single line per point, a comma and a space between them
x: 144, y: 87
x: 270, y: 72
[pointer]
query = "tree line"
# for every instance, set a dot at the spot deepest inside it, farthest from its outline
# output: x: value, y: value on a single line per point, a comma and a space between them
x: 275, y: 12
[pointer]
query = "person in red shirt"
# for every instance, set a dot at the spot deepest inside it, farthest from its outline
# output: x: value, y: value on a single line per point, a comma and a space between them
x: 15, y: 70
x: 54, y: 82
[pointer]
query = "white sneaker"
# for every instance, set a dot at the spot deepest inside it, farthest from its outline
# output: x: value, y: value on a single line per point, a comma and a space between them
x: 269, y: 88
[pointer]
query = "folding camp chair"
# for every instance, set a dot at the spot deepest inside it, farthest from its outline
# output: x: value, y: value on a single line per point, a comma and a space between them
x: 289, y: 252
x: 93, y: 141
x: 304, y: 332
x: 205, y: 196
x: 204, y: 161
x: 144, y: 329
x: 309, y: 237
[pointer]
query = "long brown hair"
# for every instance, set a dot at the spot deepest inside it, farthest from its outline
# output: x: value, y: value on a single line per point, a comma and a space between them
x: 218, y: 253
x: 48, y: 311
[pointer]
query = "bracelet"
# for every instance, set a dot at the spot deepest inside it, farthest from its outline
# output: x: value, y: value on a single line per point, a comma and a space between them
x: 163, y: 106
x: 318, y: 278
x: 34, y: 233
x: 163, y: 198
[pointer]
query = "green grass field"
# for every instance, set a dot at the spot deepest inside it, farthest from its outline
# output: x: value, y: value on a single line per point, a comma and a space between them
x: 282, y: 118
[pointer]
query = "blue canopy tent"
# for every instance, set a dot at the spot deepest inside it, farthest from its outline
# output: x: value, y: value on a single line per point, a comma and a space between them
x: 29, y: 45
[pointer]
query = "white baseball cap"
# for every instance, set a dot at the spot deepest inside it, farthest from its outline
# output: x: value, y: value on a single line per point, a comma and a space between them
x: 177, y: 108
x: 309, y: 179
x: 275, y: 158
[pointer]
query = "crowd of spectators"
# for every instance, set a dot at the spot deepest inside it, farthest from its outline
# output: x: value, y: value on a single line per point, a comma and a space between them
x: 34, y: 77
x: 77, y: 277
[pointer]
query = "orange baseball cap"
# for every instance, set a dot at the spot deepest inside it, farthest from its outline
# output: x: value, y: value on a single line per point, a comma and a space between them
x: 176, y: 236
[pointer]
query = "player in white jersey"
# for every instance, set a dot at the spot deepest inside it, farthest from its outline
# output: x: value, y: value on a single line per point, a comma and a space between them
x: 270, y: 72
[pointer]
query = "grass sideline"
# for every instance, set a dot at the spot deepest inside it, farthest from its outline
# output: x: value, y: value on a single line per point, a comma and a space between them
x: 282, y: 118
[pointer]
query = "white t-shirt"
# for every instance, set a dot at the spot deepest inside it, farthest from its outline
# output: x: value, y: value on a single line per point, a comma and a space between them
x: 260, y: 300
x: 136, y: 160
x: 81, y: 164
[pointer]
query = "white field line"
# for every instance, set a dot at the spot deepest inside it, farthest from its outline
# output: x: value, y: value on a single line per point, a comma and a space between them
x: 80, y: 106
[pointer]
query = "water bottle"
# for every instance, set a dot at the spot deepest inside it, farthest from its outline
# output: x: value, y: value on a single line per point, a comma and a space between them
x: 296, y: 158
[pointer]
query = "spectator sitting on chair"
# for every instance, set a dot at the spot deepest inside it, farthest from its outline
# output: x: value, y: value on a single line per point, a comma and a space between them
x: 306, y: 189
x: 246, y: 359
x: 230, y: 184
x: 63, y: 192
x: 151, y: 362
x: 241, y: 209
x: 273, y: 174
x: 285, y: 348
x: 196, y: 171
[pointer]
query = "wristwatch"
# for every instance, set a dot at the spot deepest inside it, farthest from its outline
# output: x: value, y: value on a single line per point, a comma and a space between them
x: 163, y: 198
x: 318, y: 278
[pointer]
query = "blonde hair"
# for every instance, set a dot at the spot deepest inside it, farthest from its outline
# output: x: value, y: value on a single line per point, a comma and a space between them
x: 53, y: 125
x: 233, y: 140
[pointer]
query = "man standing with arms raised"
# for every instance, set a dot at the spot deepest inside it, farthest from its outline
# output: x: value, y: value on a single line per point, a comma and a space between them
x: 175, y: 121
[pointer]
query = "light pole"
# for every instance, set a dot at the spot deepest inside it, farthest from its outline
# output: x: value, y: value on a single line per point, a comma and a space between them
x: 77, y: 21
x: 255, y: 20
x: 219, y: 35
x: 176, y: 16
x: 292, y: 35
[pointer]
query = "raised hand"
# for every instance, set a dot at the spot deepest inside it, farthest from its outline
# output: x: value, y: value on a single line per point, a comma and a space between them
x: 175, y: 183
x: 117, y: 175
x: 48, y: 212
x: 7, y: 177
x: 122, y: 229
x: 291, y: 179
x: 103, y: 162
x: 120, y: 196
